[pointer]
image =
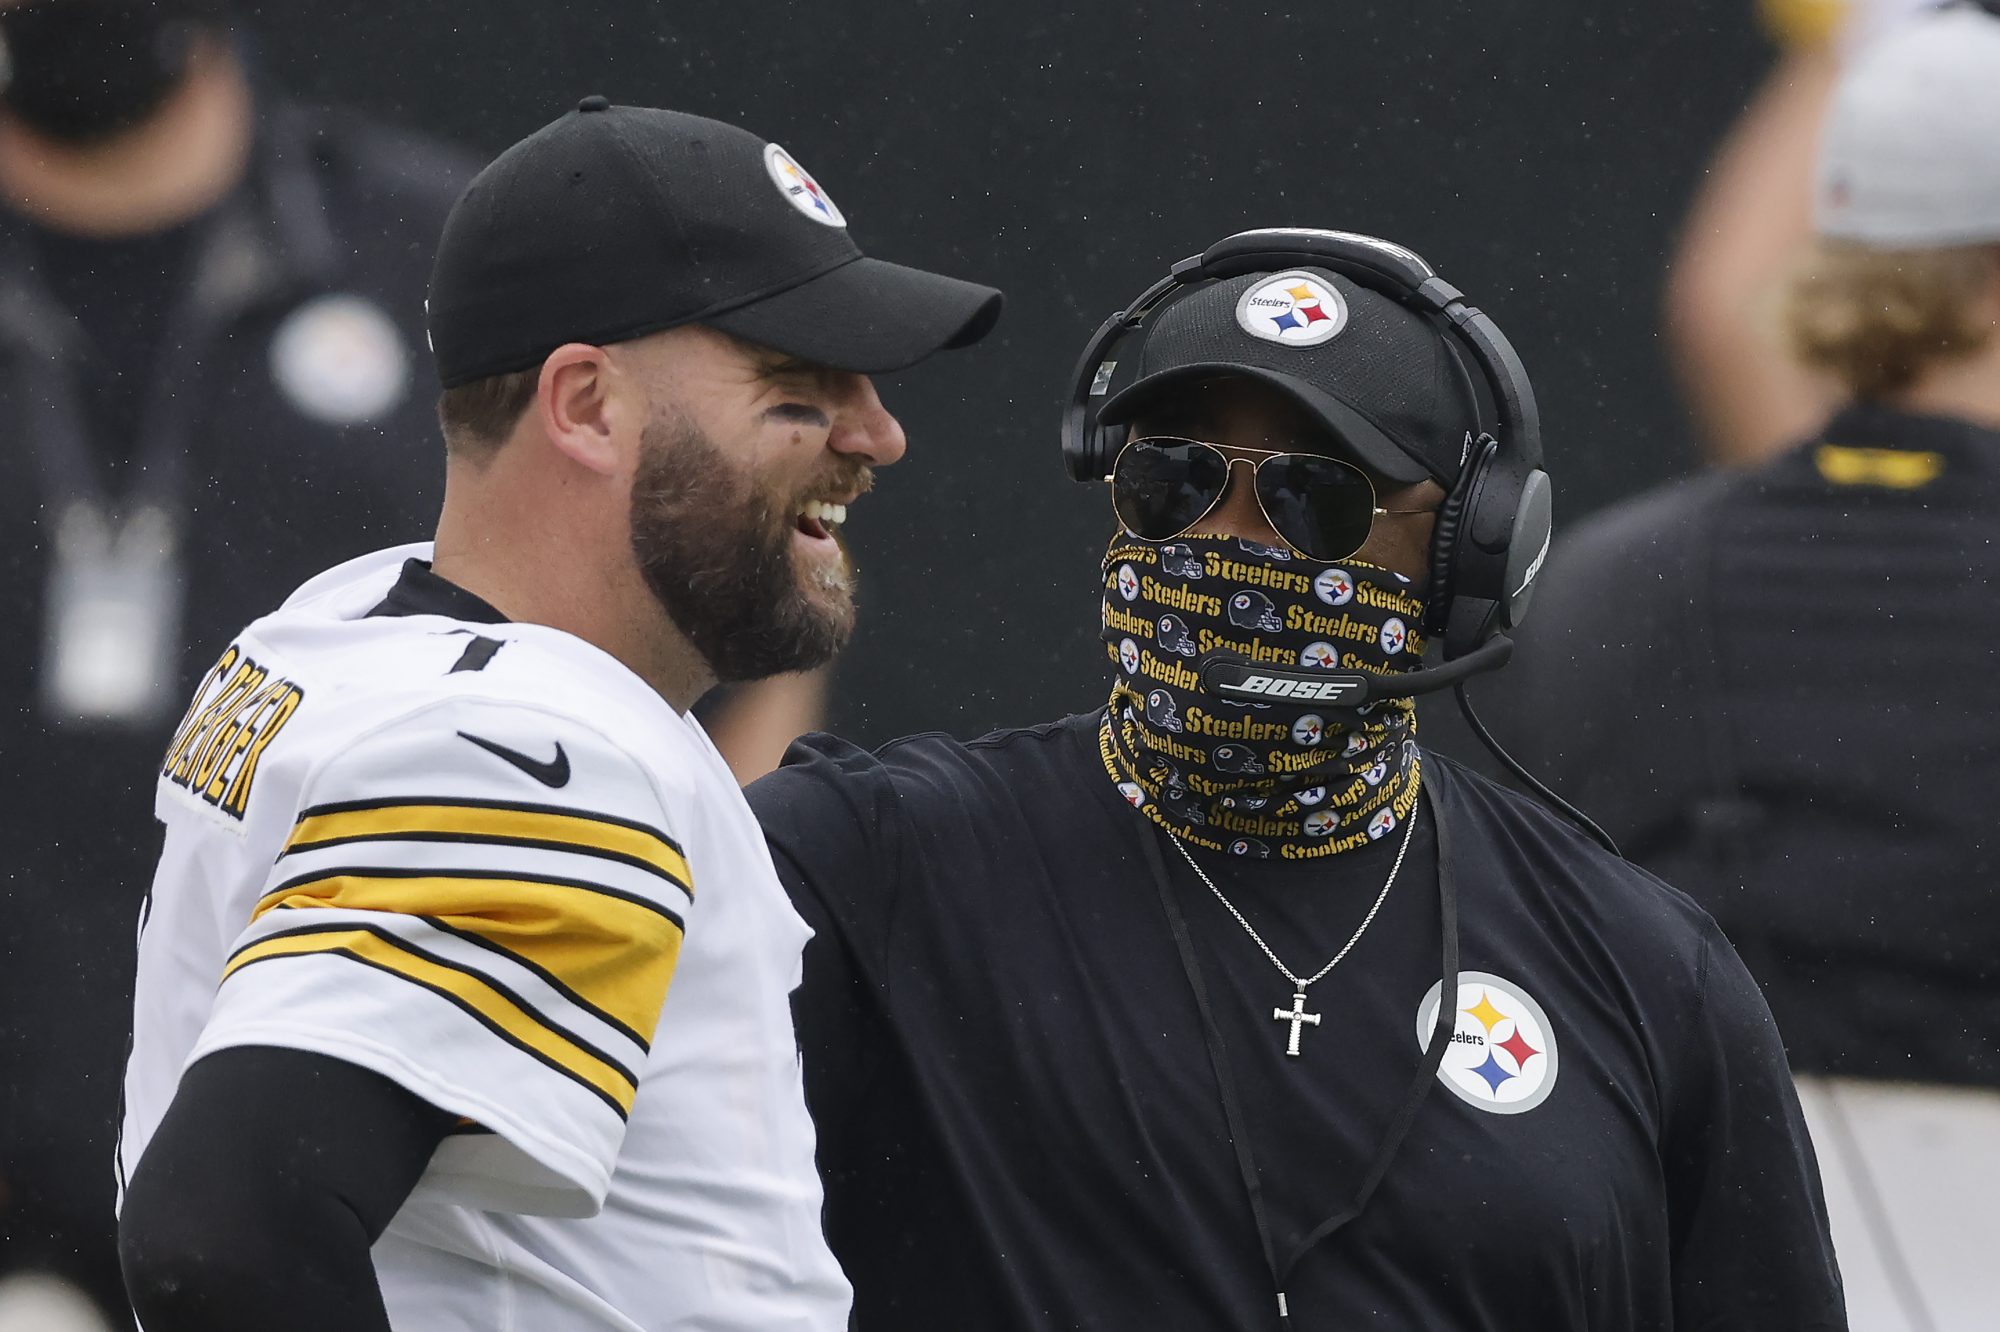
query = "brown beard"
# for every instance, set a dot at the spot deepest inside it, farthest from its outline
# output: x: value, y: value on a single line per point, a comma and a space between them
x: 717, y: 555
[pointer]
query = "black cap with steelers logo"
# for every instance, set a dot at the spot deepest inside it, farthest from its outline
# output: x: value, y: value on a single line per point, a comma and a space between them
x: 1380, y: 377
x: 618, y: 221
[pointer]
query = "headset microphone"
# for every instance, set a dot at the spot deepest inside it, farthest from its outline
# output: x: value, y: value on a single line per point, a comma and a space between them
x: 1232, y: 676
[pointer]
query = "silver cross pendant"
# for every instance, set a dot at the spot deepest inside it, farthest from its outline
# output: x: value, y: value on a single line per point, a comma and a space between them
x: 1299, y: 1019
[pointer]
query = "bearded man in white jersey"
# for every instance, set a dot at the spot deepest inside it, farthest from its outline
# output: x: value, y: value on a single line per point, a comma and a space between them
x: 439, y: 835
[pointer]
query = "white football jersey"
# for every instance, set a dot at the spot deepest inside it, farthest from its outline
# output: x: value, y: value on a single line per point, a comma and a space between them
x: 487, y: 862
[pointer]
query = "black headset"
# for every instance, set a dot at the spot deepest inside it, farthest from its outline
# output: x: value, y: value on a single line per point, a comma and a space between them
x: 1493, y: 529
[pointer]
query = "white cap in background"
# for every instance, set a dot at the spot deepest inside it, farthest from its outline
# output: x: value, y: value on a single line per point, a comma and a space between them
x: 1910, y: 151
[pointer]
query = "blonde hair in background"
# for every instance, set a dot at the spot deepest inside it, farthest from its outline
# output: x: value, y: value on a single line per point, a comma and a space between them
x: 1875, y: 320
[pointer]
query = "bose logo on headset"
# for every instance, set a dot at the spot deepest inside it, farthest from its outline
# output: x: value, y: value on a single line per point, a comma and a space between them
x: 1535, y: 566
x: 1329, y: 691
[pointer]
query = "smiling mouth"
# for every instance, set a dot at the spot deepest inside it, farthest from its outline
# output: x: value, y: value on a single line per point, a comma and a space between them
x: 820, y: 519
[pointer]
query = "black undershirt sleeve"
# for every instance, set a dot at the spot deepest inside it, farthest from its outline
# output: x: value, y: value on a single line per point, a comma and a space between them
x: 257, y: 1200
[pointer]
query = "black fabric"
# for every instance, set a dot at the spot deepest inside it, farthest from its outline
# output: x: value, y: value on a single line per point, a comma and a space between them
x: 1019, y: 1128
x: 1388, y: 384
x: 419, y: 590
x: 121, y: 291
x: 257, y: 1200
x: 1781, y: 691
x: 617, y: 221
x: 267, y: 495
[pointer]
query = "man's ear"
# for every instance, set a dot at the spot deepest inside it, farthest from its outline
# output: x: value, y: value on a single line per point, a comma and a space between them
x: 578, y: 407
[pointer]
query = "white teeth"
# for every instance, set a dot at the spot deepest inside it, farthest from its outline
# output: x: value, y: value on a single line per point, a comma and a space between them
x: 830, y: 514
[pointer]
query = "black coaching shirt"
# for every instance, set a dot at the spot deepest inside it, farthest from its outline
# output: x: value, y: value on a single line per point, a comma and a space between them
x: 1021, y: 1123
x: 1780, y: 689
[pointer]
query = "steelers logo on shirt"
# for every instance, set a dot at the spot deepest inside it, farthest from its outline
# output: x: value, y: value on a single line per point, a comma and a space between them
x: 1334, y: 586
x: 339, y: 359
x: 1502, y: 1058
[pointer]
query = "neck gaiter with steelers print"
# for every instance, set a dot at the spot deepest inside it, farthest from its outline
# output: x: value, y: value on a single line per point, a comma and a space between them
x: 1256, y: 779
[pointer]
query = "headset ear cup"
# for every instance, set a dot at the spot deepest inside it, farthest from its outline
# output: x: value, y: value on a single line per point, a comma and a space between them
x: 1446, y: 534
x: 1528, y: 547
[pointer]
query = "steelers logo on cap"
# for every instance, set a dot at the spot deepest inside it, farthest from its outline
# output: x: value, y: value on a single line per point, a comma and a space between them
x: 799, y: 188
x: 1293, y: 309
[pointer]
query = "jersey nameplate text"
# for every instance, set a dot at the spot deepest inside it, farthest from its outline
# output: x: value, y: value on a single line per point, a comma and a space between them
x: 237, y: 712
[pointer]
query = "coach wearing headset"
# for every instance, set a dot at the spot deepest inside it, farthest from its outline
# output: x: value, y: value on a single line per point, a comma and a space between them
x: 1225, y: 1005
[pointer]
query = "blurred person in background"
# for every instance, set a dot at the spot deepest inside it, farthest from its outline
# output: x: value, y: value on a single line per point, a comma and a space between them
x: 1750, y: 399
x: 210, y: 326
x: 1807, y: 656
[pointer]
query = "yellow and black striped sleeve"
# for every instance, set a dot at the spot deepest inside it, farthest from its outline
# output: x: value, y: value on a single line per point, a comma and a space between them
x: 509, y: 935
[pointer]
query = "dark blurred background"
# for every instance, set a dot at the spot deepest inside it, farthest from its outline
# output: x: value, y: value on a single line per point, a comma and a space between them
x: 1539, y: 154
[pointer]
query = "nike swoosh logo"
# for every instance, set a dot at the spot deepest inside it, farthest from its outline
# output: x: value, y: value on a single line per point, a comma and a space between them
x: 554, y: 772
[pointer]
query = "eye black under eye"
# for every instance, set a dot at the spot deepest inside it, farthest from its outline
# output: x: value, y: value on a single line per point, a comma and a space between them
x: 800, y: 413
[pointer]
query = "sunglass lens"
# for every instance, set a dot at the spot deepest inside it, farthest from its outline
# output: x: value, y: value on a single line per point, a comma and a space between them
x: 1322, y: 506
x: 1159, y: 489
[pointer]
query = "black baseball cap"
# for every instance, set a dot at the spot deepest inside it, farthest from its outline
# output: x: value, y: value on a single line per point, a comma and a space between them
x: 618, y: 221
x: 1381, y: 378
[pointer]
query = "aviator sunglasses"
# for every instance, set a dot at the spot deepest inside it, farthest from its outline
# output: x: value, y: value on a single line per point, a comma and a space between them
x: 1162, y: 486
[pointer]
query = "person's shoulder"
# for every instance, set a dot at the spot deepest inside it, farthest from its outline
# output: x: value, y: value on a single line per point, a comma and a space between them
x: 424, y: 679
x: 386, y: 166
x: 1562, y: 861
x: 920, y: 773
x: 1653, y: 515
x: 1626, y: 545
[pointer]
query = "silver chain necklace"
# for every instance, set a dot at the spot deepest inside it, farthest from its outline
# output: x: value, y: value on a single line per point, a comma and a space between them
x: 1297, y: 1014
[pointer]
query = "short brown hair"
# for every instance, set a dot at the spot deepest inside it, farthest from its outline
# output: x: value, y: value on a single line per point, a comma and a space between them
x: 1876, y: 320
x: 478, y: 417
